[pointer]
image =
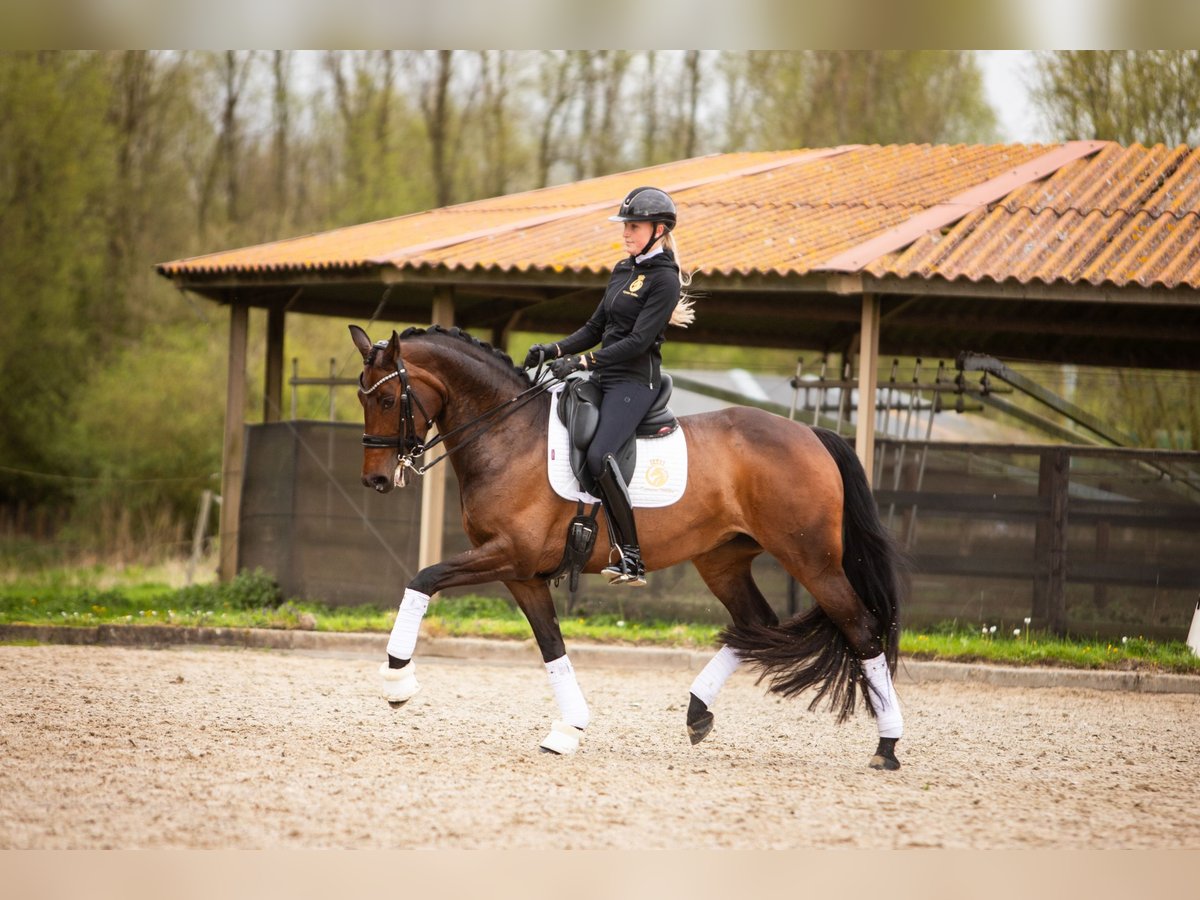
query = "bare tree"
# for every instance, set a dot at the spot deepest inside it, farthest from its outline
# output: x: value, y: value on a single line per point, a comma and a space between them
x: 233, y: 73
x: 1128, y: 96
x: 556, y: 88
x: 281, y: 128
x: 433, y: 71
x: 495, y: 73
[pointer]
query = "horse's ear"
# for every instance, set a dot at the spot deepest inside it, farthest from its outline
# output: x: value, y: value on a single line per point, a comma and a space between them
x: 361, y: 341
x: 393, y: 347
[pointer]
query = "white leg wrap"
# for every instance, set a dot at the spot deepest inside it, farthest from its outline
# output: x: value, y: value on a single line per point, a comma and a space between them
x: 883, y: 697
x: 398, y: 685
x: 714, y: 675
x: 563, y: 739
x: 407, y: 625
x: 571, y: 705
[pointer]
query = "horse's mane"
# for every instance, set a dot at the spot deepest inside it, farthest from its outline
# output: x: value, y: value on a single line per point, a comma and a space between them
x: 466, y: 337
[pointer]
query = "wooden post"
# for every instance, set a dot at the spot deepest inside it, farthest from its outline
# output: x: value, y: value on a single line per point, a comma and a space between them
x: 234, y: 447
x: 433, y: 483
x: 1050, y: 548
x: 1057, y: 598
x: 868, y: 379
x: 273, y: 376
x: 198, y: 533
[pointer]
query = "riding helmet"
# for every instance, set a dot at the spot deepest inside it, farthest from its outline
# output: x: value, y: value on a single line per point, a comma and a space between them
x: 646, y: 204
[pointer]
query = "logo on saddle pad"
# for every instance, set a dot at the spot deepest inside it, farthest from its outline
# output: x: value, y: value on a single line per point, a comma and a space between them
x: 636, y: 284
x: 657, y: 473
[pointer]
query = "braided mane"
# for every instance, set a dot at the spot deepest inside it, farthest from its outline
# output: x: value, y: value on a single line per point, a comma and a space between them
x: 461, y: 335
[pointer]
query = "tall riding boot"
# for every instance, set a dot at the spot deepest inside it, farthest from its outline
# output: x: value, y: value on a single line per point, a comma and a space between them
x: 619, y: 509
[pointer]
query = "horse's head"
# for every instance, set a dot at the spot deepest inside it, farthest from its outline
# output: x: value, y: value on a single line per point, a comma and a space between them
x: 400, y: 401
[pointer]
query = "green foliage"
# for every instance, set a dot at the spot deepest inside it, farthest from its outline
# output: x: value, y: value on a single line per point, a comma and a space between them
x: 249, y: 590
x: 474, y: 606
x: 817, y: 98
x: 249, y: 599
x: 1127, y: 96
x: 147, y: 432
x: 57, y: 309
x: 953, y: 642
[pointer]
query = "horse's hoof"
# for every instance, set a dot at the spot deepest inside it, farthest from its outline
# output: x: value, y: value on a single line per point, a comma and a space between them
x: 698, y: 731
x: 563, y: 739
x: 398, y: 686
x: 699, y: 720
x: 885, y: 756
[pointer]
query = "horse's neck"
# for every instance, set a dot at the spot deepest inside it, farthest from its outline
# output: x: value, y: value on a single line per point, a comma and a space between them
x: 474, y: 389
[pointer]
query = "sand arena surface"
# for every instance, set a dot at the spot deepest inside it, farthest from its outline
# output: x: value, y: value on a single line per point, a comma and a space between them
x: 229, y: 749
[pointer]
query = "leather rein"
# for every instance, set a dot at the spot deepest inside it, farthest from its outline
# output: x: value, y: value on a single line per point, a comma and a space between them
x: 413, y: 447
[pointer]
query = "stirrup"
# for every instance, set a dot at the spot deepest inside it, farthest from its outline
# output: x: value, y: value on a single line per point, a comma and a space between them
x: 626, y: 570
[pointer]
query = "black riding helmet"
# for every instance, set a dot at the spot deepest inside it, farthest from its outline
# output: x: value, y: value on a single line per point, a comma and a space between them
x: 647, y: 204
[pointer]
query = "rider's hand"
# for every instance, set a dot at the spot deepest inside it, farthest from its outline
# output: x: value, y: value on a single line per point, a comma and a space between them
x: 563, y: 367
x: 538, y: 352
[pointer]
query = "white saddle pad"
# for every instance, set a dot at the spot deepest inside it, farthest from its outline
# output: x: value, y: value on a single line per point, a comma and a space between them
x: 659, y: 473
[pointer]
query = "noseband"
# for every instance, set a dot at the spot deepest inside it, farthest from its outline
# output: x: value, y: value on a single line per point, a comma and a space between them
x: 401, y: 440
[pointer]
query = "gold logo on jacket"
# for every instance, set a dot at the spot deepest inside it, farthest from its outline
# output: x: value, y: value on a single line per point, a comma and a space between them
x: 636, y: 284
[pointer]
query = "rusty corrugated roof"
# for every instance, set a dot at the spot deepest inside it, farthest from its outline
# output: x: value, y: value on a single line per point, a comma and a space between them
x: 1098, y: 213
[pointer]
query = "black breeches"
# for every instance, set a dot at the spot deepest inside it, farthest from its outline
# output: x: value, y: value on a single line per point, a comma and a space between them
x: 623, y: 407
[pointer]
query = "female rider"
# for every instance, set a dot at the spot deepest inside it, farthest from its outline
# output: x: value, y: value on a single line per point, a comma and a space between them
x: 642, y: 298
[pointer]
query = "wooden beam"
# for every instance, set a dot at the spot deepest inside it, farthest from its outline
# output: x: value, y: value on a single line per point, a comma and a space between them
x: 233, y: 450
x: 273, y: 376
x: 1050, y: 543
x: 433, y: 482
x: 868, y: 379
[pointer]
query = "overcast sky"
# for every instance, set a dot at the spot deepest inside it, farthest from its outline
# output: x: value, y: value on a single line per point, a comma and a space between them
x: 1006, y: 75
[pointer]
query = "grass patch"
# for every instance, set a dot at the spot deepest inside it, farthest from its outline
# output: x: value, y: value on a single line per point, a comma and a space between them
x: 253, y: 600
x: 1040, y: 649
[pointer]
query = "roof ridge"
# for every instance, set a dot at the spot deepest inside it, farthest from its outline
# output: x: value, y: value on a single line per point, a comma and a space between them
x: 863, y: 254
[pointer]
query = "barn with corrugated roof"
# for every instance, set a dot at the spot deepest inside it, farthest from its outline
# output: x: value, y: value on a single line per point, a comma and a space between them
x: 1084, y: 253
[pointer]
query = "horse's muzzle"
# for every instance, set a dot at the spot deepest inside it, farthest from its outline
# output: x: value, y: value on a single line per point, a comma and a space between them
x: 378, y: 482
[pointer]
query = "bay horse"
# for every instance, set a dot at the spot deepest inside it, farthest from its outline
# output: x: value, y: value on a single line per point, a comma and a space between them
x: 757, y: 483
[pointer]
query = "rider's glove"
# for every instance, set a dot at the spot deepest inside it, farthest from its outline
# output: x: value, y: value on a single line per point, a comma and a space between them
x: 538, y: 352
x: 564, y: 366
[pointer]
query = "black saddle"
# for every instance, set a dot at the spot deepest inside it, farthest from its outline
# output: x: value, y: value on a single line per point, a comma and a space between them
x: 579, y: 411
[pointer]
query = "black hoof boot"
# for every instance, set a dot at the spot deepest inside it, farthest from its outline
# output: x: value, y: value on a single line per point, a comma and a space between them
x: 699, y: 720
x: 885, y: 755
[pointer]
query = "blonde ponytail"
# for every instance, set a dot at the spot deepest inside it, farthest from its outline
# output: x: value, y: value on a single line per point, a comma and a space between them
x: 684, y: 313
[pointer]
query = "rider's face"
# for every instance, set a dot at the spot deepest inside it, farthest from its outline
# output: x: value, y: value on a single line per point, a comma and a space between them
x: 636, y: 235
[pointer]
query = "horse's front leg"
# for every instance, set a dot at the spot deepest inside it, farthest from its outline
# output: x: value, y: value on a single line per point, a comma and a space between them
x: 490, y: 562
x: 535, y: 601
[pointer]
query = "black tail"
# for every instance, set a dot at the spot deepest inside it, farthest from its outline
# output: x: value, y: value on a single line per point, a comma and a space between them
x: 810, y: 650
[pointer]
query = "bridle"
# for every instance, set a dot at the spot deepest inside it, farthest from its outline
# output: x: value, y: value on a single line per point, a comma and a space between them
x: 411, y: 448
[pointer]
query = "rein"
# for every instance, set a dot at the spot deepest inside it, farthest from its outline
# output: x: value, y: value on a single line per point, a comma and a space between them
x: 408, y: 399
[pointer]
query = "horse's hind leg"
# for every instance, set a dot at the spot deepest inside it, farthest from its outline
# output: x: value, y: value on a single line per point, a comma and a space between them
x: 863, y: 633
x: 726, y: 571
x: 830, y: 647
x: 534, y: 599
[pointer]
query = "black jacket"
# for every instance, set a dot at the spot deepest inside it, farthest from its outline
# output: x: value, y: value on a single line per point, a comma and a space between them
x: 631, y: 321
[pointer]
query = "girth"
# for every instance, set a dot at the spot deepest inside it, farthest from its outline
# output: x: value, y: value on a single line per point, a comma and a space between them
x: 579, y: 410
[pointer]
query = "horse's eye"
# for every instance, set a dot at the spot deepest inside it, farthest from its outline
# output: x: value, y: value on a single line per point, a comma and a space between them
x: 387, y: 402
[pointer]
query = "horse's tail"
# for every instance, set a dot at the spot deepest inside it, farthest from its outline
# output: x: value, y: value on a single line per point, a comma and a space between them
x: 809, y: 650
